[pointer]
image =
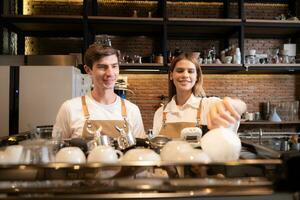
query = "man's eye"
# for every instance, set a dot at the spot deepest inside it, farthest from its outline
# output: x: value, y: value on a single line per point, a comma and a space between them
x: 115, y: 66
x: 101, y: 66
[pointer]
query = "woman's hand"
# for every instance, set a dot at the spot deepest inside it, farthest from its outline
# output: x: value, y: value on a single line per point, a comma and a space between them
x: 225, y: 112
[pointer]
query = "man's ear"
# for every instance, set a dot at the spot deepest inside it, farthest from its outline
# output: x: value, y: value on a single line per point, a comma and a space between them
x: 87, y: 69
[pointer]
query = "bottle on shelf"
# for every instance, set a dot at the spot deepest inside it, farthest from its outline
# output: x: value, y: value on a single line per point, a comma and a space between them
x: 237, y: 56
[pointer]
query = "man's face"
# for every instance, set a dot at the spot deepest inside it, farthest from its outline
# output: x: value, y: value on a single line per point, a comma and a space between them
x: 105, y: 72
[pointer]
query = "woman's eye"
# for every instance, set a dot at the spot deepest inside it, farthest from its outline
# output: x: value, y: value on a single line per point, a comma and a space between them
x: 179, y: 70
x: 191, y: 71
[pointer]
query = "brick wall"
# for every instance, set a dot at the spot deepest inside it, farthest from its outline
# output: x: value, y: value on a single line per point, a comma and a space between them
x: 52, y: 7
x: 147, y: 88
x: 54, y: 46
x: 253, y: 89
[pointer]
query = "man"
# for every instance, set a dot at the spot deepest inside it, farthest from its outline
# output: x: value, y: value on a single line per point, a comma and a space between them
x: 101, y: 110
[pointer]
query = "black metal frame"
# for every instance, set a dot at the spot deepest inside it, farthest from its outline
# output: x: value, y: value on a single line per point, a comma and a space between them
x: 88, y: 25
x: 14, y: 100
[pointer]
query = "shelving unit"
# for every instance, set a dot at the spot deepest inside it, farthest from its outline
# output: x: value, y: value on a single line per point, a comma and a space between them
x: 271, y: 28
x: 264, y: 124
x: 269, y: 122
x: 89, y: 24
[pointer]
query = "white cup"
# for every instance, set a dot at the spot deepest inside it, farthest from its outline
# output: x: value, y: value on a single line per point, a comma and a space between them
x: 104, y: 154
x: 195, y: 155
x: 2, y: 157
x: 13, y: 154
x: 174, y: 149
x: 221, y: 145
x: 198, y: 155
x: 228, y: 59
x: 182, y: 151
x: 141, y: 154
x: 72, y: 155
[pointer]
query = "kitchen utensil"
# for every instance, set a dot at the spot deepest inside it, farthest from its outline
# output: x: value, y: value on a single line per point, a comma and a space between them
x: 191, y: 134
x: 37, y: 151
x: 265, y: 110
x: 125, y: 140
x: 158, y: 142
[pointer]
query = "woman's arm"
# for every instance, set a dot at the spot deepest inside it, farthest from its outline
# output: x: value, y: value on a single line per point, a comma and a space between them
x: 225, y: 113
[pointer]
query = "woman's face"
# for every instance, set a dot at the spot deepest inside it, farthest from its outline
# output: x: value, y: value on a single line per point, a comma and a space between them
x: 184, y: 75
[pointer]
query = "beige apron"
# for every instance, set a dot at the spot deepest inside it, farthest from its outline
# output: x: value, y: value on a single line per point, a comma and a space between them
x: 173, y: 129
x: 108, y: 126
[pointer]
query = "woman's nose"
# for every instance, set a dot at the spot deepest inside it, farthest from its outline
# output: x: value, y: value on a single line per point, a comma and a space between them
x: 185, y: 73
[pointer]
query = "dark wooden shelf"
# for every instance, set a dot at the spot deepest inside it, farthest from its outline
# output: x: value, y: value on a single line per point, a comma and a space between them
x: 202, y: 27
x: 256, y: 28
x: 126, y: 25
x: 218, y: 68
x: 221, y: 68
x: 144, y: 68
x: 45, y: 25
x: 273, y: 68
x: 270, y: 123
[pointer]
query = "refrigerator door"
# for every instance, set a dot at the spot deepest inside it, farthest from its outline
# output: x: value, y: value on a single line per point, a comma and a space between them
x: 43, y: 89
x: 4, y: 99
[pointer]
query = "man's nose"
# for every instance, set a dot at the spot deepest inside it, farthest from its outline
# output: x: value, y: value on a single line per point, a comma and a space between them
x: 109, y: 70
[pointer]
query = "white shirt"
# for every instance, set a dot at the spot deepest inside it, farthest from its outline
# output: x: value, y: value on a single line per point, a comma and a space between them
x: 70, y: 118
x: 185, y: 113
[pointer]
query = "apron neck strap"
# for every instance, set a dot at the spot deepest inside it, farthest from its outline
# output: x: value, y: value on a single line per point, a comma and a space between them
x: 199, y: 111
x: 123, y: 107
x: 164, y: 115
x: 84, y: 108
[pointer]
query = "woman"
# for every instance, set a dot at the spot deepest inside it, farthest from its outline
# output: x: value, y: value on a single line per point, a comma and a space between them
x: 189, y: 107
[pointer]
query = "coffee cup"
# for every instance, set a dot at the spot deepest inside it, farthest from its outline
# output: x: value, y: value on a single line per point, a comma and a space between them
x: 2, y: 157
x: 72, y: 155
x: 175, y: 148
x: 221, y: 145
x: 141, y: 154
x: 228, y: 59
x: 104, y: 154
x: 195, y: 155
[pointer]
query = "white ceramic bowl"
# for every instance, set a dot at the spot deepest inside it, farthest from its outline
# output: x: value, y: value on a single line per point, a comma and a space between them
x: 141, y: 154
x: 221, y: 145
x: 13, y: 154
x: 72, y: 155
x: 2, y: 157
x: 174, y: 148
x: 104, y: 154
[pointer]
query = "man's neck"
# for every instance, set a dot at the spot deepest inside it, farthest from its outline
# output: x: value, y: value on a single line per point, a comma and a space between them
x: 104, y: 96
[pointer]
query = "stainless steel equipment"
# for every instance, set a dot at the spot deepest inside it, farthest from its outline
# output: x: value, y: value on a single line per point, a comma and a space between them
x: 260, y: 172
